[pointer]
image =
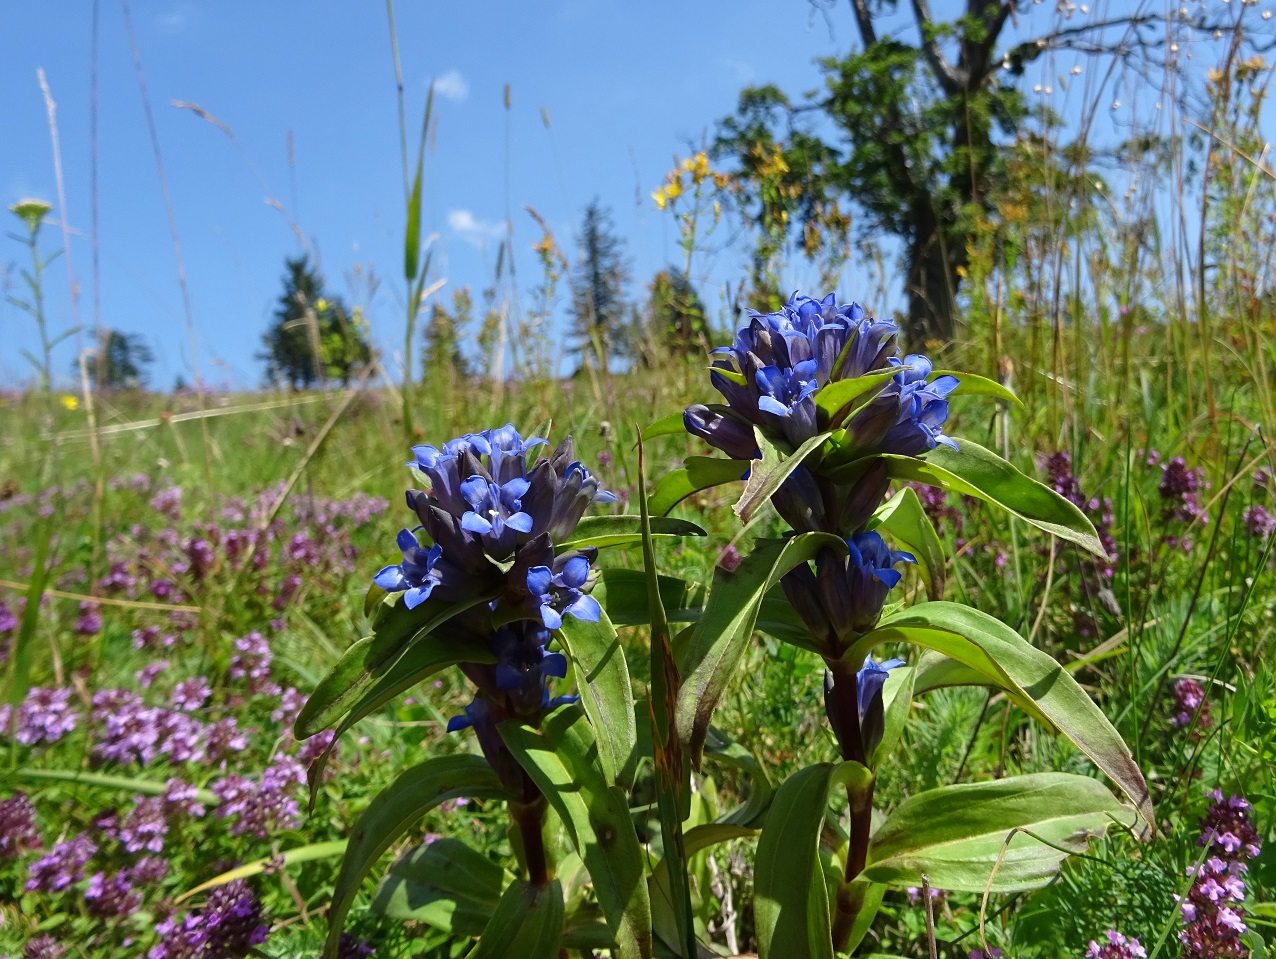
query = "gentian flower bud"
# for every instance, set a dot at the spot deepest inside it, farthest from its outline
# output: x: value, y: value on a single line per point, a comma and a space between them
x: 724, y: 431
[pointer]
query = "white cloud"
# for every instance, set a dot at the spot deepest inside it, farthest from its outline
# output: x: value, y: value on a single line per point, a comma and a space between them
x: 179, y: 18
x: 452, y: 86
x: 472, y: 230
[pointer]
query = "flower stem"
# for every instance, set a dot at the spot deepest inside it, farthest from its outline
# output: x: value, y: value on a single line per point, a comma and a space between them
x: 529, y: 820
x: 846, y: 722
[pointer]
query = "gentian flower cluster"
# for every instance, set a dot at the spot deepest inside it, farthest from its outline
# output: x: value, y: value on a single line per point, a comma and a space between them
x: 1213, y: 918
x: 770, y: 376
x: 490, y: 523
x: 779, y: 361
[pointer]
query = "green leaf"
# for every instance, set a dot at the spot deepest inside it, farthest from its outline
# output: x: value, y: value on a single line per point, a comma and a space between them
x: 665, y: 426
x: 970, y: 384
x: 897, y: 700
x: 972, y: 470
x: 834, y: 401
x: 697, y: 839
x: 623, y: 593
x: 527, y: 924
x: 697, y: 473
x: 729, y: 619
x: 791, y: 906
x: 80, y: 777
x: 1032, y: 680
x: 766, y: 475
x: 371, y: 658
x: 602, y: 677
x: 394, y: 811
x: 903, y: 518
x: 561, y: 758
x: 412, y: 235
x: 444, y: 883
x: 723, y: 750
x: 673, y: 776
x: 962, y: 835
x: 290, y: 857
x: 425, y: 657
x: 604, y: 531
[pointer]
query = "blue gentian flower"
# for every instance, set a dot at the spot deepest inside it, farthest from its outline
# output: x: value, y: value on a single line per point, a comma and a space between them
x: 906, y: 417
x: 844, y: 596
x: 521, y: 657
x: 869, y: 683
x: 554, y: 594
x: 419, y: 573
x: 495, y: 512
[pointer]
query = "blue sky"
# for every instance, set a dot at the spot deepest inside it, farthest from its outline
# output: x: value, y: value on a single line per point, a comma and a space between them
x: 625, y: 85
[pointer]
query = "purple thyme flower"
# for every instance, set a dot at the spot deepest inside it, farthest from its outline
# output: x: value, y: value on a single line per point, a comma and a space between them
x: 62, y: 866
x: 45, y: 716
x: 110, y: 897
x: 290, y: 703
x: 1259, y: 523
x: 90, y: 621
x: 225, y: 737
x: 191, y: 694
x: 43, y: 947
x: 1180, y: 488
x: 1117, y: 947
x: 18, y: 828
x: 252, y: 662
x: 351, y: 947
x: 1189, y: 697
x: 260, y: 808
x: 146, y: 675
x: 1213, y: 918
x: 227, y: 927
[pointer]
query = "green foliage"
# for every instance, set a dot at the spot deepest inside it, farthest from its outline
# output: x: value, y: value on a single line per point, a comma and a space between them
x: 314, y: 339
x: 119, y: 362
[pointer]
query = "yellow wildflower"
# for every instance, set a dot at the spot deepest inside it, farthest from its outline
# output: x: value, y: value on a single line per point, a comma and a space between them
x: 70, y: 402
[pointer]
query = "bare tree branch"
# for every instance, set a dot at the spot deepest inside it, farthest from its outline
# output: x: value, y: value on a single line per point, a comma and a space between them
x: 950, y: 79
x: 864, y: 19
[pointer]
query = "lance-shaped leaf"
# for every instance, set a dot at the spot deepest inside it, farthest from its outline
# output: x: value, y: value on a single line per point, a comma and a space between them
x: 445, y: 884
x: 897, y: 700
x: 697, y: 473
x: 791, y: 905
x: 562, y: 759
x: 602, y: 677
x: 729, y: 618
x: 394, y: 811
x: 1034, y: 681
x: 366, y: 662
x: 971, y: 384
x: 425, y: 657
x: 903, y: 519
x: 604, y: 531
x: 835, y: 402
x: 972, y: 470
x: 527, y: 924
x: 664, y: 918
x: 717, y: 747
x: 772, y: 470
x: 623, y: 593
x: 669, y: 425
x: 1015, y: 832
x: 673, y: 778
x: 289, y: 857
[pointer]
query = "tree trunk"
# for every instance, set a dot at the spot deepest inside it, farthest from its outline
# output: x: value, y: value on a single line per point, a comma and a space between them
x: 933, y: 281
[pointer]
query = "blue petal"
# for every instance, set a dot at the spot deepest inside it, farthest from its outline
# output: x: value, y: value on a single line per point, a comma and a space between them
x: 943, y: 385
x: 475, y: 523
x: 554, y: 664
x: 417, y: 595
x: 888, y: 576
x: 772, y: 405
x: 521, y: 522
x: 575, y: 572
x: 509, y: 676
x: 539, y: 579
x: 515, y: 488
x: 947, y: 441
x: 406, y: 541
x: 475, y: 490
x: 390, y: 579
x: 457, y: 723
x: 586, y: 609
x: 551, y: 617
x: 602, y: 496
